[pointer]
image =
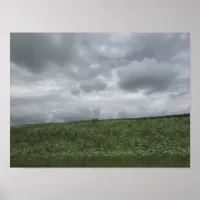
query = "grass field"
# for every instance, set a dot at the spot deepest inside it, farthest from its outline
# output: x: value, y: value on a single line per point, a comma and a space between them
x: 147, y: 142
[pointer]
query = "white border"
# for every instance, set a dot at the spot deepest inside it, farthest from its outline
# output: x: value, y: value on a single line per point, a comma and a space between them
x: 98, y: 16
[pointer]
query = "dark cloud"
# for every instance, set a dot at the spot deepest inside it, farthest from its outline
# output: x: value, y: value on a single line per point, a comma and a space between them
x: 78, y: 76
x: 93, y: 85
x: 75, y: 91
x: 36, y: 50
x: 148, y: 76
x: 159, y: 46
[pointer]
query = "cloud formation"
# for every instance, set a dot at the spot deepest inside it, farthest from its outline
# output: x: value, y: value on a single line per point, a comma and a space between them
x: 77, y: 76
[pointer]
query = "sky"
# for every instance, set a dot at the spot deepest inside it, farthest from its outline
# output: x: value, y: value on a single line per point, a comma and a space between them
x: 63, y: 77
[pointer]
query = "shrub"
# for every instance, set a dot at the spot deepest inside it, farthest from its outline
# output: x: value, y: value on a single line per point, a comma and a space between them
x: 95, y: 120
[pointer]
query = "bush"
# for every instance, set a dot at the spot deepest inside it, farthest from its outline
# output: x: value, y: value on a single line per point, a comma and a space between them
x: 95, y: 120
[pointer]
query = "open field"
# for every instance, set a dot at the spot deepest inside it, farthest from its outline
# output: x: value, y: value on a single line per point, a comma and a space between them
x: 145, y: 142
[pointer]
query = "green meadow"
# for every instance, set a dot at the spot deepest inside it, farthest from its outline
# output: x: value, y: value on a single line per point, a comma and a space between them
x: 144, y: 142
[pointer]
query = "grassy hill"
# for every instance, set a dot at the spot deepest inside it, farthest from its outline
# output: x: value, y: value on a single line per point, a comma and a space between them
x: 145, y: 142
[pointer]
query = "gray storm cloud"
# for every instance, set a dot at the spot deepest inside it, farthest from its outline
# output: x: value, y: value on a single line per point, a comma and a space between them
x: 77, y: 76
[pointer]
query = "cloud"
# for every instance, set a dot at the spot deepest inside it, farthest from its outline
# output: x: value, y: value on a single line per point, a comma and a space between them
x: 75, y: 91
x: 148, y: 75
x: 95, y: 84
x: 35, y: 50
x: 161, y: 47
x: 78, y: 76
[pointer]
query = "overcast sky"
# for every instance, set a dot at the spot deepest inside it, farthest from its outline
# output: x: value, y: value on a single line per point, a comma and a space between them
x: 68, y: 77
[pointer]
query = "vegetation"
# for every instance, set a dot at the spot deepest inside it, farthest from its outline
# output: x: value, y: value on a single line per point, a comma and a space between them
x: 145, y: 142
